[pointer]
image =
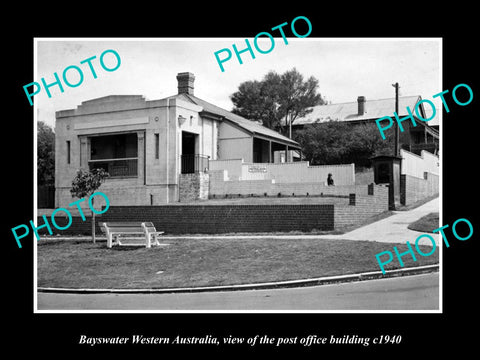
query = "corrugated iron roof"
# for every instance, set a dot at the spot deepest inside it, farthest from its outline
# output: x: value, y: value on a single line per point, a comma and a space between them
x: 374, y: 109
x: 246, y: 124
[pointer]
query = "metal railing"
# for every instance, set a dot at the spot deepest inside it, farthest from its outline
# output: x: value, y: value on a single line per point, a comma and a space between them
x: 125, y: 167
x: 194, y: 163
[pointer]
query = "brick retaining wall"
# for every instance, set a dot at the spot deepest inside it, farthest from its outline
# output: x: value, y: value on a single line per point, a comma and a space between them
x: 362, y: 203
x: 366, y: 205
x: 413, y: 189
x: 217, y: 219
x: 213, y: 219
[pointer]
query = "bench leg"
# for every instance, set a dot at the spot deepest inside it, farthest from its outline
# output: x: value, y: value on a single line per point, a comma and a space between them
x: 149, y: 241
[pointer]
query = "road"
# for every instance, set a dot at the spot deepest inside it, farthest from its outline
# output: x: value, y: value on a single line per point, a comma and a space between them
x: 417, y: 292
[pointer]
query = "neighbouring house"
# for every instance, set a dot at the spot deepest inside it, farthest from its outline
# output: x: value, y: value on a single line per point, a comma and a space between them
x: 148, y: 146
x: 424, y: 136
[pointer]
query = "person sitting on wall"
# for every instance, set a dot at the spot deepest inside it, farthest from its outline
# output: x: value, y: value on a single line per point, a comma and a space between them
x: 330, y: 180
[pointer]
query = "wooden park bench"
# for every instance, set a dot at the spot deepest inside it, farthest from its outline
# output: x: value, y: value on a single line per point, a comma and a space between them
x: 143, y: 230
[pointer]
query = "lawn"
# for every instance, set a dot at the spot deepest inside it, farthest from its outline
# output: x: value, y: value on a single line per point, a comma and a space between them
x: 426, y: 224
x: 207, y: 262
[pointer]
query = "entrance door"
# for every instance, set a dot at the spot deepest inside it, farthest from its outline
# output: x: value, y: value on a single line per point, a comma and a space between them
x: 189, y: 141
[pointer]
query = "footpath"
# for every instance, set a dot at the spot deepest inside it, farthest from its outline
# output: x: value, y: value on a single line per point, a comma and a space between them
x: 394, y: 229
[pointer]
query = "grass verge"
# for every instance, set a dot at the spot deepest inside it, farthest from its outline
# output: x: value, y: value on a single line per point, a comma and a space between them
x: 427, y: 223
x: 207, y: 262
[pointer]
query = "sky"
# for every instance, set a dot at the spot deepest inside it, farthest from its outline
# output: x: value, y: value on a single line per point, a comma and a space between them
x: 345, y: 68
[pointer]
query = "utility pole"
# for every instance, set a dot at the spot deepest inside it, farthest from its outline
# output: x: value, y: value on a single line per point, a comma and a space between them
x: 290, y: 127
x: 397, y: 133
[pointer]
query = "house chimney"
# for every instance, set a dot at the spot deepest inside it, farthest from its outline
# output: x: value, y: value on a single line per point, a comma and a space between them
x: 361, y: 100
x: 185, y: 83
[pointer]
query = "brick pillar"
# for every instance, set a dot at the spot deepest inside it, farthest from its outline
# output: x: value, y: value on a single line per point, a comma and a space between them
x: 194, y: 186
x: 370, y: 189
x: 403, y: 189
x: 352, y: 199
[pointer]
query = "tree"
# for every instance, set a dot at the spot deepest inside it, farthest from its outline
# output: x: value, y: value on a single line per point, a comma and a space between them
x: 45, y: 154
x: 277, y: 100
x: 336, y: 142
x: 85, y: 184
x: 258, y: 101
x: 297, y: 97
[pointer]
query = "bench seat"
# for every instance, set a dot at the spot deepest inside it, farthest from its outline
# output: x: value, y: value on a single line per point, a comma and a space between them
x: 143, y: 230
